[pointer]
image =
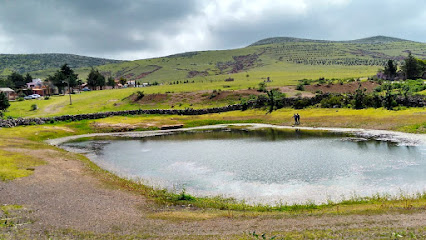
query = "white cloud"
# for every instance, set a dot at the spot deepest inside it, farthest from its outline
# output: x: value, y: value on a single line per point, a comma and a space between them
x: 145, y: 29
x: 6, y: 42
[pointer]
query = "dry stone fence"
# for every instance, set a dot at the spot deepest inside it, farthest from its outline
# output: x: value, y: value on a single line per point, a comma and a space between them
x: 13, y: 122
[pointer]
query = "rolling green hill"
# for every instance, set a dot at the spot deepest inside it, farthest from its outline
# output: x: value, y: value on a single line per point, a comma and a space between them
x: 284, y: 60
x: 205, y: 71
x: 24, y: 63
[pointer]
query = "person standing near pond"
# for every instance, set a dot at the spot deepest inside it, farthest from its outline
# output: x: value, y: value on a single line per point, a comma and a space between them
x: 297, y: 118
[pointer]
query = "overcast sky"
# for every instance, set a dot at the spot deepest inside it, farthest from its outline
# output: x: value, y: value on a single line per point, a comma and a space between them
x: 132, y: 29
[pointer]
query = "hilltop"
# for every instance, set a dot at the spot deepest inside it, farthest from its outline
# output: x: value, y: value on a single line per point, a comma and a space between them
x: 23, y: 63
x: 369, y: 40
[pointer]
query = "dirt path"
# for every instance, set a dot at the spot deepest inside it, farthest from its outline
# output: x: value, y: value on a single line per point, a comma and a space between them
x: 63, y: 194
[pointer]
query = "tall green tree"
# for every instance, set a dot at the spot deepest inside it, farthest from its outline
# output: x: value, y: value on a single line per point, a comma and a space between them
x: 28, y: 78
x: 100, y: 80
x: 123, y: 81
x: 411, y: 67
x: 64, y: 77
x: 389, y: 100
x: 111, y: 82
x: 17, y: 80
x: 390, y: 69
x: 95, y: 79
x: 4, y: 102
x: 359, y: 98
x: 5, y: 82
x: 70, y: 76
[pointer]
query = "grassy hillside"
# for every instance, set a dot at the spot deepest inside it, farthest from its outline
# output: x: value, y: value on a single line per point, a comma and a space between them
x: 23, y: 63
x: 284, y: 63
x: 284, y: 60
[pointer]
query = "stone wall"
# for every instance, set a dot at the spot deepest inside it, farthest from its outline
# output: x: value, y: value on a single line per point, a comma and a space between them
x: 38, y: 121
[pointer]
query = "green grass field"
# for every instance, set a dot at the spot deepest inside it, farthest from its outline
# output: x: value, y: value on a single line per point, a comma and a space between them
x: 284, y: 63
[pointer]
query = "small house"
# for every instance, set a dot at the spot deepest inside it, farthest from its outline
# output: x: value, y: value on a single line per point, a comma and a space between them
x: 10, y: 94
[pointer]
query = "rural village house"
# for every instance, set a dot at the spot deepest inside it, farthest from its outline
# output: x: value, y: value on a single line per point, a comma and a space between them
x: 38, y: 87
x: 10, y: 94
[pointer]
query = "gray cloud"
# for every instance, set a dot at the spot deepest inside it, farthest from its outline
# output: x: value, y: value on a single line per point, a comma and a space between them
x: 130, y: 29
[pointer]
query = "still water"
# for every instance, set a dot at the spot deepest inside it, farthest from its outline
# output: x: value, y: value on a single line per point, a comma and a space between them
x: 268, y: 166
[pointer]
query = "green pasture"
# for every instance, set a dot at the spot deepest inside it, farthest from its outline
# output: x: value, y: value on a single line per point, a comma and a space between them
x: 114, y: 99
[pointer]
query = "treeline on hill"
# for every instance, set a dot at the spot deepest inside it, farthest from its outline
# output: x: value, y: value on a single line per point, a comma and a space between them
x: 23, y: 63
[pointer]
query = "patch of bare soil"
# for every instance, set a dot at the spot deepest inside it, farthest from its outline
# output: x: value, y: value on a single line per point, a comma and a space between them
x: 291, y: 90
x: 345, y: 88
x: 200, y: 97
x: 152, y: 98
x: 231, y: 95
x: 144, y: 74
x: 240, y: 63
x: 149, y: 98
x: 207, y: 97
x: 194, y: 73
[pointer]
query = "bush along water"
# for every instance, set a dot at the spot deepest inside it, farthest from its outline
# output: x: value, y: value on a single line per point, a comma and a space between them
x: 388, y: 99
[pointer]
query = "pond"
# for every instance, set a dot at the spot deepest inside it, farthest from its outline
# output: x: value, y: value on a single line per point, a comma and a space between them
x: 264, y: 166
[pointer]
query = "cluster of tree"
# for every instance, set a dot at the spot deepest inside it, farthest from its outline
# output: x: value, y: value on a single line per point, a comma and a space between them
x: 361, y: 100
x: 388, y: 99
x: 412, y: 68
x: 65, y: 76
x: 177, y: 82
x: 16, y: 81
x: 95, y: 79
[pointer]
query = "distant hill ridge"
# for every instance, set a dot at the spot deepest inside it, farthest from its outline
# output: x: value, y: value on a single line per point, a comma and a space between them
x: 282, y: 56
x: 369, y: 40
x: 23, y: 63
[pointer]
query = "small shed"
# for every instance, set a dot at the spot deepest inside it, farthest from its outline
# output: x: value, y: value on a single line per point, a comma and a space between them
x: 10, y: 94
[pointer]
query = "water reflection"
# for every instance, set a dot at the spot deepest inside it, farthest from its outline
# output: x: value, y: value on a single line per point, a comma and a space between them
x: 265, y: 166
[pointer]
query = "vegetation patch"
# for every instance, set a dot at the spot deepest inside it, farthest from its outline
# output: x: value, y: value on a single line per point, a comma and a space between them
x: 15, y: 165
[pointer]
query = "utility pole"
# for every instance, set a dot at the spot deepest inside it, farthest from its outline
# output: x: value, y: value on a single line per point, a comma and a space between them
x: 69, y: 90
